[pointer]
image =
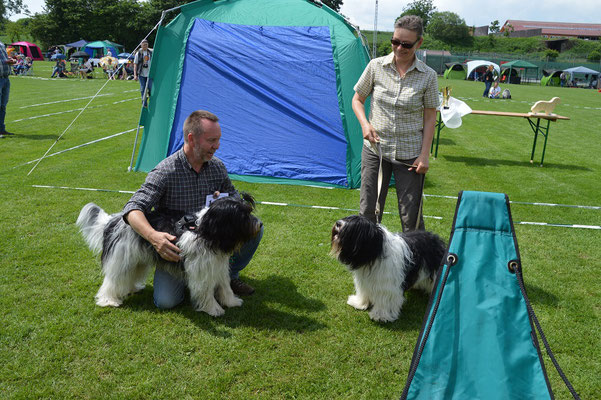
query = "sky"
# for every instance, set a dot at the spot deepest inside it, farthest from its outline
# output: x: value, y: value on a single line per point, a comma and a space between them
x: 474, y: 12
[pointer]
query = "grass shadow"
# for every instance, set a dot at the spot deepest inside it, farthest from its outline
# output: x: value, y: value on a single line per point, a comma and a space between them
x: 412, y: 314
x: 536, y: 295
x: 262, y: 310
x: 480, y: 162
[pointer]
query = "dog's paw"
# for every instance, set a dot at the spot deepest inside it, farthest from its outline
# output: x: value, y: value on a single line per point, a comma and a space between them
x: 357, y: 302
x: 107, y: 302
x: 215, y: 311
x: 382, y: 316
x: 233, y: 302
x: 138, y: 287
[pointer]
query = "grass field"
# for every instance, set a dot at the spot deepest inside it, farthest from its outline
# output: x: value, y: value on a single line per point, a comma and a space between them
x: 295, y: 338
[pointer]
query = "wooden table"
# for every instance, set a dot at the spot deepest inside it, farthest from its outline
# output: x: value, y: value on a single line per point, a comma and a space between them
x: 536, y: 126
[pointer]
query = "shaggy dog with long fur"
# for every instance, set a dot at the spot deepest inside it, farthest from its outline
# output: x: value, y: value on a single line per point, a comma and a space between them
x: 384, y: 264
x: 207, y: 239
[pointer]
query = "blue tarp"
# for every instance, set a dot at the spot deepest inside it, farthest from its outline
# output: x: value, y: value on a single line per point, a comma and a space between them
x: 284, y: 82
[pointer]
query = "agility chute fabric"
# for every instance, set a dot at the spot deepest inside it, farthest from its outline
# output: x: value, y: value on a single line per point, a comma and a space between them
x: 279, y: 74
x: 478, y: 340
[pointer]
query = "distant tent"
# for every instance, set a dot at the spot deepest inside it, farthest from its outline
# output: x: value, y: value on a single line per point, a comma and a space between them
x: 71, y: 48
x: 29, y: 50
x: 583, y: 74
x: 455, y: 71
x: 510, y: 75
x: 551, y: 78
x: 479, y: 67
x: 581, y: 70
x: 101, y: 48
x: 516, y: 66
x: 279, y: 74
x: 78, y: 45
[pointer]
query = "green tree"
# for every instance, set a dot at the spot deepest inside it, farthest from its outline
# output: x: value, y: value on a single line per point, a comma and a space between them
x: 124, y: 22
x: 594, y: 55
x: 450, y: 28
x: 18, y: 30
x: 551, y: 54
x: 422, y: 8
x: 333, y: 4
x: 508, y: 29
x: 10, y: 7
x: 494, y: 26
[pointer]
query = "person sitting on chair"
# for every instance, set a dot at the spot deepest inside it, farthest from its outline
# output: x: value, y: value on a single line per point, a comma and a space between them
x: 85, y: 69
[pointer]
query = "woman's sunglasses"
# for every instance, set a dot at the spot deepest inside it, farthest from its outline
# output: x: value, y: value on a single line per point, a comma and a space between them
x: 404, y: 45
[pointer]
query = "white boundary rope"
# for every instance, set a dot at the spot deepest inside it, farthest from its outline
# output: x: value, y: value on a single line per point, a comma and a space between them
x: 526, y: 203
x: 574, y: 226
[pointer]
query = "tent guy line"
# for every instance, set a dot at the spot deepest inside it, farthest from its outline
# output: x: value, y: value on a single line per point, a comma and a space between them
x: 268, y: 203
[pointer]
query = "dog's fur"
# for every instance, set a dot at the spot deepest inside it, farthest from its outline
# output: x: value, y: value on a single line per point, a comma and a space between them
x: 206, y: 248
x: 384, y: 265
x: 545, y: 107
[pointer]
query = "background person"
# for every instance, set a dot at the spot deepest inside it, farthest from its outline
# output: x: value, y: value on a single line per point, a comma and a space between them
x: 495, y: 90
x: 404, y: 98
x: 142, y: 62
x: 179, y: 185
x: 488, y: 80
x: 5, y: 65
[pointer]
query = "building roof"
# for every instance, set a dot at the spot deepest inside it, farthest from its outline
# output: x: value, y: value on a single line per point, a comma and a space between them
x: 556, y: 28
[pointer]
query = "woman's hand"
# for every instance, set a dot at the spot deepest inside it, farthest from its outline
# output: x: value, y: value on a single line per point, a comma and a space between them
x: 370, y: 133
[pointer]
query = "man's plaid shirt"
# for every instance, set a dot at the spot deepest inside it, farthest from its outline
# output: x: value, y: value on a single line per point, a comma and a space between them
x: 4, y: 67
x: 173, y: 186
x: 397, y: 104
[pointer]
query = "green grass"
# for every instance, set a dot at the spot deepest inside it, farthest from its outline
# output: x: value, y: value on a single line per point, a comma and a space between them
x: 296, y: 337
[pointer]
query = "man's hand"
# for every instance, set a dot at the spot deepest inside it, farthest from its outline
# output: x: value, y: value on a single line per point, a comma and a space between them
x: 161, y: 241
x: 163, y: 244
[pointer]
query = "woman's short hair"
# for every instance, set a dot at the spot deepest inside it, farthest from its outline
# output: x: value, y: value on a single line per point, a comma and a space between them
x: 412, y: 23
x: 194, y: 122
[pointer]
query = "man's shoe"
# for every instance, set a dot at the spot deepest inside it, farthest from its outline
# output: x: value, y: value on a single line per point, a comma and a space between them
x: 240, y: 288
x: 5, y: 133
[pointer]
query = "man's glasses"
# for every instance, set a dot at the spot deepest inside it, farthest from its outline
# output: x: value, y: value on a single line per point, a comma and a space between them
x: 405, y: 45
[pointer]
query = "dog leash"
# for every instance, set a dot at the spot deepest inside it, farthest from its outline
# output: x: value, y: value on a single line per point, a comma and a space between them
x: 378, y: 150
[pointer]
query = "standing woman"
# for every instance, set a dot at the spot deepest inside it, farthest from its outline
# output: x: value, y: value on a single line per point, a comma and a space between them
x: 488, y: 80
x: 404, y: 99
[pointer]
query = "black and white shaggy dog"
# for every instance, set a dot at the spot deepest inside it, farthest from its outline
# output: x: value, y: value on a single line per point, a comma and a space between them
x: 384, y: 265
x: 206, y: 240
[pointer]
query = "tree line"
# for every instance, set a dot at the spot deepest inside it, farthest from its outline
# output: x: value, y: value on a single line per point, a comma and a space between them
x: 125, y: 22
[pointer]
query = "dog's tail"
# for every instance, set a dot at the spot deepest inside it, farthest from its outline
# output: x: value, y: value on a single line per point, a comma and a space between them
x: 91, y: 222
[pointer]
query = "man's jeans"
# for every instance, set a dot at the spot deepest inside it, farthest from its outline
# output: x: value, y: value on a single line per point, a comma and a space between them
x: 143, y: 80
x: 169, y: 291
x: 4, y: 92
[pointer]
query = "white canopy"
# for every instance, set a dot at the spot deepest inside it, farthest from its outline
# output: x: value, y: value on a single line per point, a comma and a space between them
x: 581, y: 70
x: 472, y: 65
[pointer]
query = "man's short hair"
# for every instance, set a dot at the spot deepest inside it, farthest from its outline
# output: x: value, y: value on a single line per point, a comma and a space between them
x: 194, y: 122
x: 412, y: 23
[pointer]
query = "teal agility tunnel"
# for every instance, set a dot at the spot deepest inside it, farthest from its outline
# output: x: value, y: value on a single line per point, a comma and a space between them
x: 478, y: 339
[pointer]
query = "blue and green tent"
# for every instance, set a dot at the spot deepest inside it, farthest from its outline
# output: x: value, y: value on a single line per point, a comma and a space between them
x: 279, y: 74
